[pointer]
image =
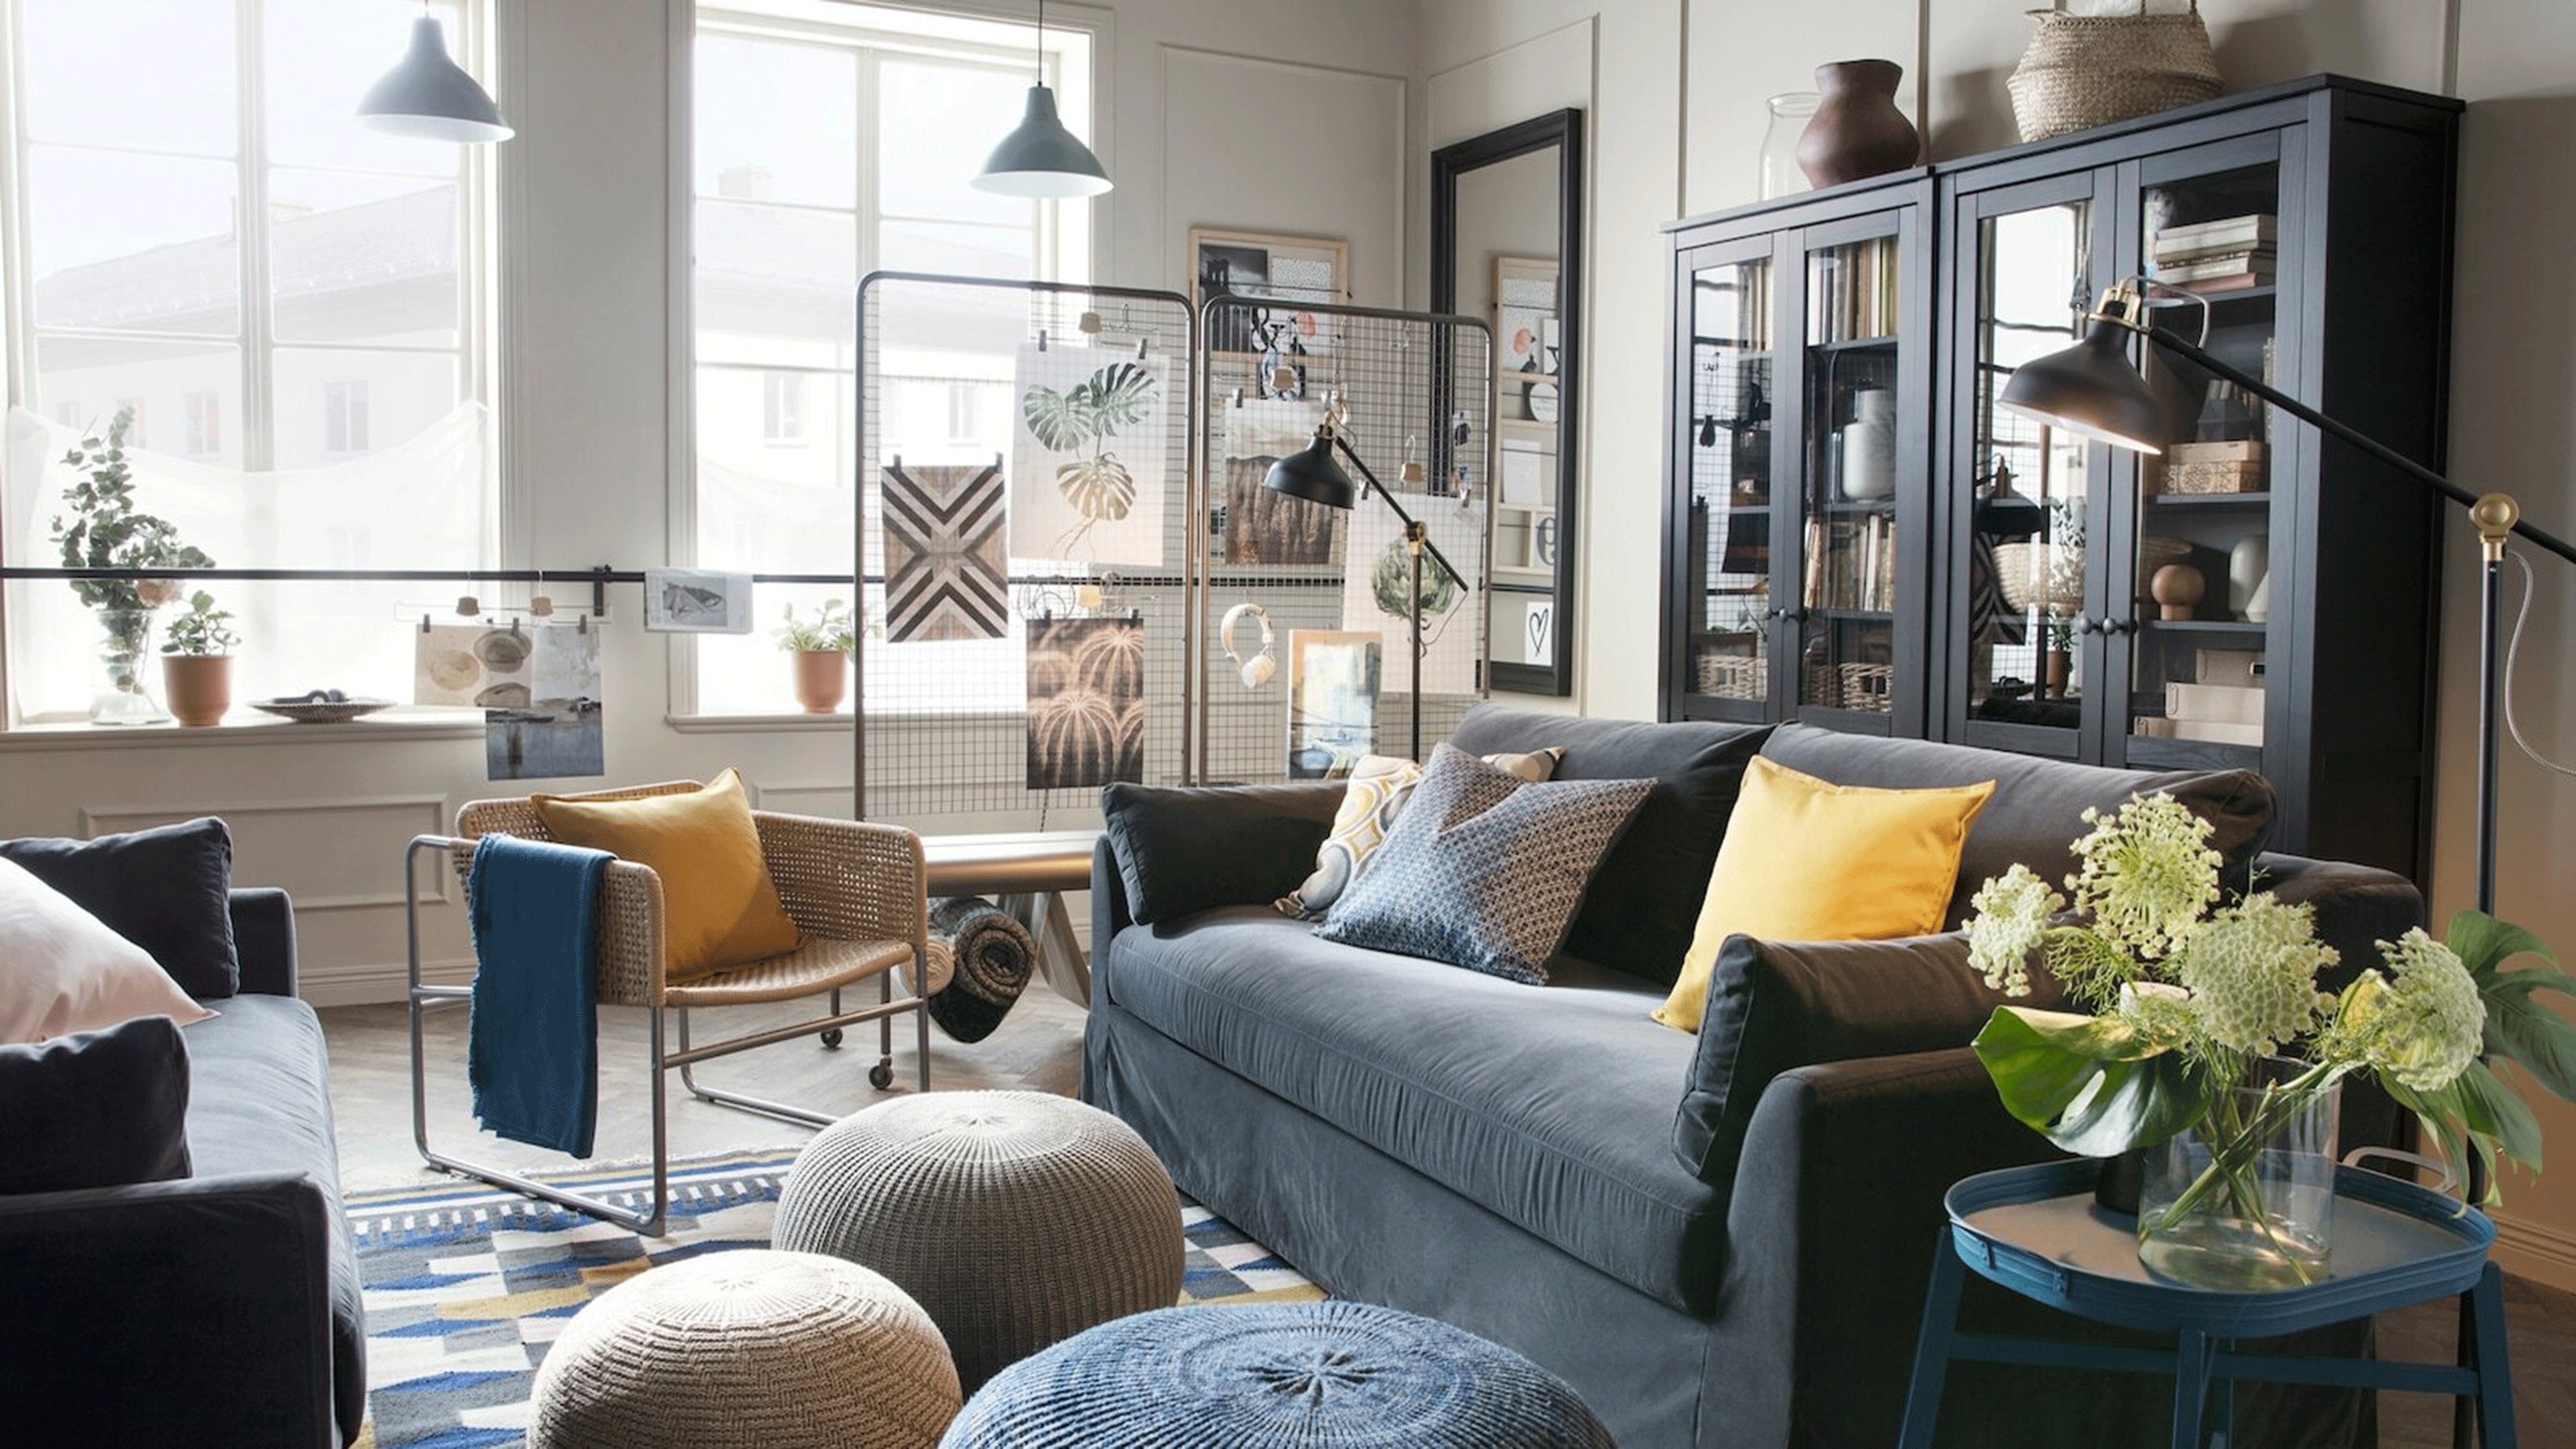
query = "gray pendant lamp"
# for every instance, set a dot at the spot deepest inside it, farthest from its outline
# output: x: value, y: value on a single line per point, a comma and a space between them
x: 1041, y: 158
x: 429, y: 96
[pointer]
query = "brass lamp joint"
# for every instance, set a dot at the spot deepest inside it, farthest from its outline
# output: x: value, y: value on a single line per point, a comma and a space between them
x: 2495, y: 515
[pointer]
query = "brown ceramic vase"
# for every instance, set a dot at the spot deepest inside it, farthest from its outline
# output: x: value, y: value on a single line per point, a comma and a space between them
x: 822, y: 677
x: 198, y: 686
x: 1857, y: 130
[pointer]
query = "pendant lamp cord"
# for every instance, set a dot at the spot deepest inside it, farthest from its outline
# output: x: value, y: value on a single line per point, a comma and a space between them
x: 1041, y: 67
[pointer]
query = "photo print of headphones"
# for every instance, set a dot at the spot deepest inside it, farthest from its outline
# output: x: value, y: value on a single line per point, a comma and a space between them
x: 1262, y: 667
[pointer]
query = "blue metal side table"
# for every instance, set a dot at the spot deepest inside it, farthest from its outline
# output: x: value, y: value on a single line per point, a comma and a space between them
x: 2038, y: 1232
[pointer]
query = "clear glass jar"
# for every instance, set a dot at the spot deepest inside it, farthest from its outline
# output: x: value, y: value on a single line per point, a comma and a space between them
x: 1790, y: 111
x: 2244, y: 1201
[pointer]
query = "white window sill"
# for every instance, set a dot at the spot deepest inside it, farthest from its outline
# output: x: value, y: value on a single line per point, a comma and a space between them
x: 753, y: 724
x: 246, y: 727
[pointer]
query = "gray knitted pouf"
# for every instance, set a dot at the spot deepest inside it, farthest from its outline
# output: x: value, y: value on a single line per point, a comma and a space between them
x: 1327, y: 1375
x: 1015, y: 1218
x: 747, y: 1349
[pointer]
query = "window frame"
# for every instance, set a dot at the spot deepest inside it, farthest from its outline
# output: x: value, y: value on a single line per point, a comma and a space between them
x: 1059, y: 247
x: 473, y: 43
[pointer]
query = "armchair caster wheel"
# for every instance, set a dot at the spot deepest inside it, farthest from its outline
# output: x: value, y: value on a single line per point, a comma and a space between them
x: 832, y: 1038
x: 881, y: 1076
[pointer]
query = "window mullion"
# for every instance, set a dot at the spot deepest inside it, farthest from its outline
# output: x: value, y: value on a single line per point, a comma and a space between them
x: 258, y: 368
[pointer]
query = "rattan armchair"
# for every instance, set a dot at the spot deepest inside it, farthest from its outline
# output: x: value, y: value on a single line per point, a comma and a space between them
x: 856, y: 893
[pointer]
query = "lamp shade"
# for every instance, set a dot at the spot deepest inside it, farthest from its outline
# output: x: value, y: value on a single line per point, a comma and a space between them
x: 1312, y: 474
x: 2090, y: 389
x: 430, y: 96
x: 1041, y: 158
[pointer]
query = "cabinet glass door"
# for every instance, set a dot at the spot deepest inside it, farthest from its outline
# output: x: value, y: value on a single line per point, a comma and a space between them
x: 2196, y: 593
x: 1853, y: 378
x: 1728, y: 441
x: 2031, y: 646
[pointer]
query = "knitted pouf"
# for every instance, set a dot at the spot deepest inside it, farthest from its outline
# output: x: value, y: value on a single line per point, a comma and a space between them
x: 1016, y: 1219
x: 1269, y: 1376
x: 747, y: 1349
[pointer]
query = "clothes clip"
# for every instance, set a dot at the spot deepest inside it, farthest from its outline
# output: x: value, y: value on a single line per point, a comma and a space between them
x: 581, y: 622
x: 1141, y: 344
x: 514, y: 626
x: 424, y: 623
x: 1238, y: 397
x: 1042, y: 339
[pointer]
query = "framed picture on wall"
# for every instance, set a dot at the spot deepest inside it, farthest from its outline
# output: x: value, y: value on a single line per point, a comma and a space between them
x: 1526, y: 339
x: 1288, y: 270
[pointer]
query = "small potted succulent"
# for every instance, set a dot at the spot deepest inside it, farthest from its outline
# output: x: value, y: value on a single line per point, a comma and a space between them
x: 821, y: 646
x: 197, y: 662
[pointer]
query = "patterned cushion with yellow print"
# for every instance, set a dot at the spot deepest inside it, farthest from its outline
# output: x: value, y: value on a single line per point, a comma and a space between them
x: 1379, y: 787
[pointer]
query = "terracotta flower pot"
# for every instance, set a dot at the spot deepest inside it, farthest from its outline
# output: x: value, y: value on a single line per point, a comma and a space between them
x: 822, y: 677
x: 198, y: 686
x: 1857, y: 130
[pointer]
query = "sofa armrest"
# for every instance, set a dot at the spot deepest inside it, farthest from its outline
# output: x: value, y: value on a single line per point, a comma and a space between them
x: 191, y: 1312
x: 264, y: 938
x: 1853, y: 1158
x: 1179, y: 851
x: 1110, y: 913
x: 2357, y: 906
x: 1777, y: 1005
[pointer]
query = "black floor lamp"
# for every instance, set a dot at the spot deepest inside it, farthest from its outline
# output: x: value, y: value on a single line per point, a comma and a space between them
x: 1314, y: 475
x: 2093, y: 389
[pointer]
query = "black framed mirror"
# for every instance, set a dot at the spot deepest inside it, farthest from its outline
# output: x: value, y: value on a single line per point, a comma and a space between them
x: 1507, y: 246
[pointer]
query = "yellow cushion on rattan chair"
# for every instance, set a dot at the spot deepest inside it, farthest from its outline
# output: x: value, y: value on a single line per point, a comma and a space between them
x: 718, y: 906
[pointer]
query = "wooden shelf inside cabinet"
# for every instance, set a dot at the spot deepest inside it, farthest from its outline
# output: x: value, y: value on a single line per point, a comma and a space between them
x: 2210, y: 500
x: 2240, y: 628
x: 2157, y: 752
x: 1855, y: 344
x: 1880, y: 507
x: 2166, y: 301
x: 1855, y: 616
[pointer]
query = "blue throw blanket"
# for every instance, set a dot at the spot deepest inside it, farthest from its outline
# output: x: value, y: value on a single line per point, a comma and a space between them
x: 532, y: 1051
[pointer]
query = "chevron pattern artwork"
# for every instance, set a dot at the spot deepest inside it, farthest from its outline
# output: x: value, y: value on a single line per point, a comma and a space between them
x: 946, y: 577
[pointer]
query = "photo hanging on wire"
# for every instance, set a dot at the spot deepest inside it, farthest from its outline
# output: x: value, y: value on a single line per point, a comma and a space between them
x: 697, y: 601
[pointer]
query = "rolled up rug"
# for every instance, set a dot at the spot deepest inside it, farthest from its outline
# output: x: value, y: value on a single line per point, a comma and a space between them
x: 989, y: 959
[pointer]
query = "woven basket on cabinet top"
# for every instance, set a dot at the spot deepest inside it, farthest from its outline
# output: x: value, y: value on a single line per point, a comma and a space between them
x: 2083, y: 71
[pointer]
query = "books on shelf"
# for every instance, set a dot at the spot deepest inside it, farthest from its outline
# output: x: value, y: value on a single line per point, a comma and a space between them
x: 2230, y: 254
x: 2226, y: 234
x: 1852, y: 292
x: 1850, y: 563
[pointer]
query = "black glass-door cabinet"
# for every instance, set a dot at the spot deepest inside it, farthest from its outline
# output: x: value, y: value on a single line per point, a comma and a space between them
x: 1803, y: 348
x: 2249, y: 596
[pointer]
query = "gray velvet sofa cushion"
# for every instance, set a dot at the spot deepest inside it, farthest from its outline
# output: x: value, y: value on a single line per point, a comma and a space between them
x: 96, y: 1108
x: 1548, y: 1105
x: 2038, y: 805
x: 1181, y: 850
x: 1644, y: 901
x: 261, y: 1104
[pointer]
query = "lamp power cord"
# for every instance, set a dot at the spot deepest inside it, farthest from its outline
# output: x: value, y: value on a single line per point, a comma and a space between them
x: 2512, y: 651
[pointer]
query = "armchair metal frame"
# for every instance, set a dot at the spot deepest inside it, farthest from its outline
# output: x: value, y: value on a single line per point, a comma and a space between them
x: 855, y: 889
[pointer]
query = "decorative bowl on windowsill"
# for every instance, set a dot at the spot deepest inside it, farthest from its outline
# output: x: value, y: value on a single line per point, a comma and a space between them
x: 322, y: 706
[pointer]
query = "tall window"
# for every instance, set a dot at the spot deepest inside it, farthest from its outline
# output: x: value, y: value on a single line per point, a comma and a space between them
x: 829, y: 142
x: 211, y: 240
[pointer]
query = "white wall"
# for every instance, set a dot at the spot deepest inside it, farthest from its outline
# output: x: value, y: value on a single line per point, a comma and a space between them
x: 1288, y: 118
x: 2514, y: 344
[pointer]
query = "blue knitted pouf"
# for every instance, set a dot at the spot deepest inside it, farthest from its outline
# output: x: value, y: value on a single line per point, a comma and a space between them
x: 1270, y: 1376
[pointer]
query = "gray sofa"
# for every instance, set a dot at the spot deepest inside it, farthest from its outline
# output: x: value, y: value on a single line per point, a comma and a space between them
x: 1720, y: 1239
x: 220, y: 1307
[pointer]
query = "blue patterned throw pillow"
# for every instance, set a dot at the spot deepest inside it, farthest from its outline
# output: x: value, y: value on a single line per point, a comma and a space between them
x: 1484, y: 869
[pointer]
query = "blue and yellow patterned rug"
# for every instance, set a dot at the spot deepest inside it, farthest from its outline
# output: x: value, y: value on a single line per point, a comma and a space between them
x: 466, y: 1285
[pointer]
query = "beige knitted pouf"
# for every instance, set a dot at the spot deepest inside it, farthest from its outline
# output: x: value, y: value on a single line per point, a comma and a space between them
x: 747, y: 1349
x: 1016, y: 1218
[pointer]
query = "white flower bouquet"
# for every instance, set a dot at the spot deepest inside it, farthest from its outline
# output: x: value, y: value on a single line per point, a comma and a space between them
x: 2191, y: 1002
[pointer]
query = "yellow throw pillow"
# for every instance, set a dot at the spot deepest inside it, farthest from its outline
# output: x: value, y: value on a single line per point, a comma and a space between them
x: 718, y: 906
x: 1807, y: 860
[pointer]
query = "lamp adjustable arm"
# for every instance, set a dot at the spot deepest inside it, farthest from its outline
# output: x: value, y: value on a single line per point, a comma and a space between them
x: 1412, y: 528
x: 2134, y: 317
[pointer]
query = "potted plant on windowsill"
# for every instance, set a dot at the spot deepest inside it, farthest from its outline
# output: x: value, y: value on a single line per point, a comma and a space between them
x: 821, y: 647
x: 104, y: 530
x: 197, y: 663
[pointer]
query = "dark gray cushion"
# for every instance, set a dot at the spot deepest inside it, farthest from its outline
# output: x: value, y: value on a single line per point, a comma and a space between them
x: 1640, y: 912
x: 96, y: 1108
x: 1484, y: 869
x: 261, y: 1103
x: 165, y: 889
x: 1548, y: 1105
x: 2037, y: 810
x: 1777, y: 1005
x: 1181, y: 850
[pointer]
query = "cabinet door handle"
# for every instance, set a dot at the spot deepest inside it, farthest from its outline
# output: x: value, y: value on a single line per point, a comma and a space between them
x: 2117, y: 626
x: 2088, y: 624
x: 1794, y: 616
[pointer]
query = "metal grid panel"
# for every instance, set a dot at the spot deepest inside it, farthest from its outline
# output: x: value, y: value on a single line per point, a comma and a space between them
x: 1402, y: 380
x: 943, y: 727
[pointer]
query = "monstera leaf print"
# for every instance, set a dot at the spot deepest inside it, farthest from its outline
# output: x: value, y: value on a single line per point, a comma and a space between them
x: 1099, y: 488
x: 1061, y: 420
x: 1116, y: 396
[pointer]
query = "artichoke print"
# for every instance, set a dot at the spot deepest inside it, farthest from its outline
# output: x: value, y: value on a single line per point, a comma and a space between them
x: 1083, y: 420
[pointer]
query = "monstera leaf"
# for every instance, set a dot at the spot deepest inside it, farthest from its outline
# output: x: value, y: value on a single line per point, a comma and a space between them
x: 1099, y: 488
x: 2094, y: 1085
x: 1115, y: 396
x: 1060, y: 420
